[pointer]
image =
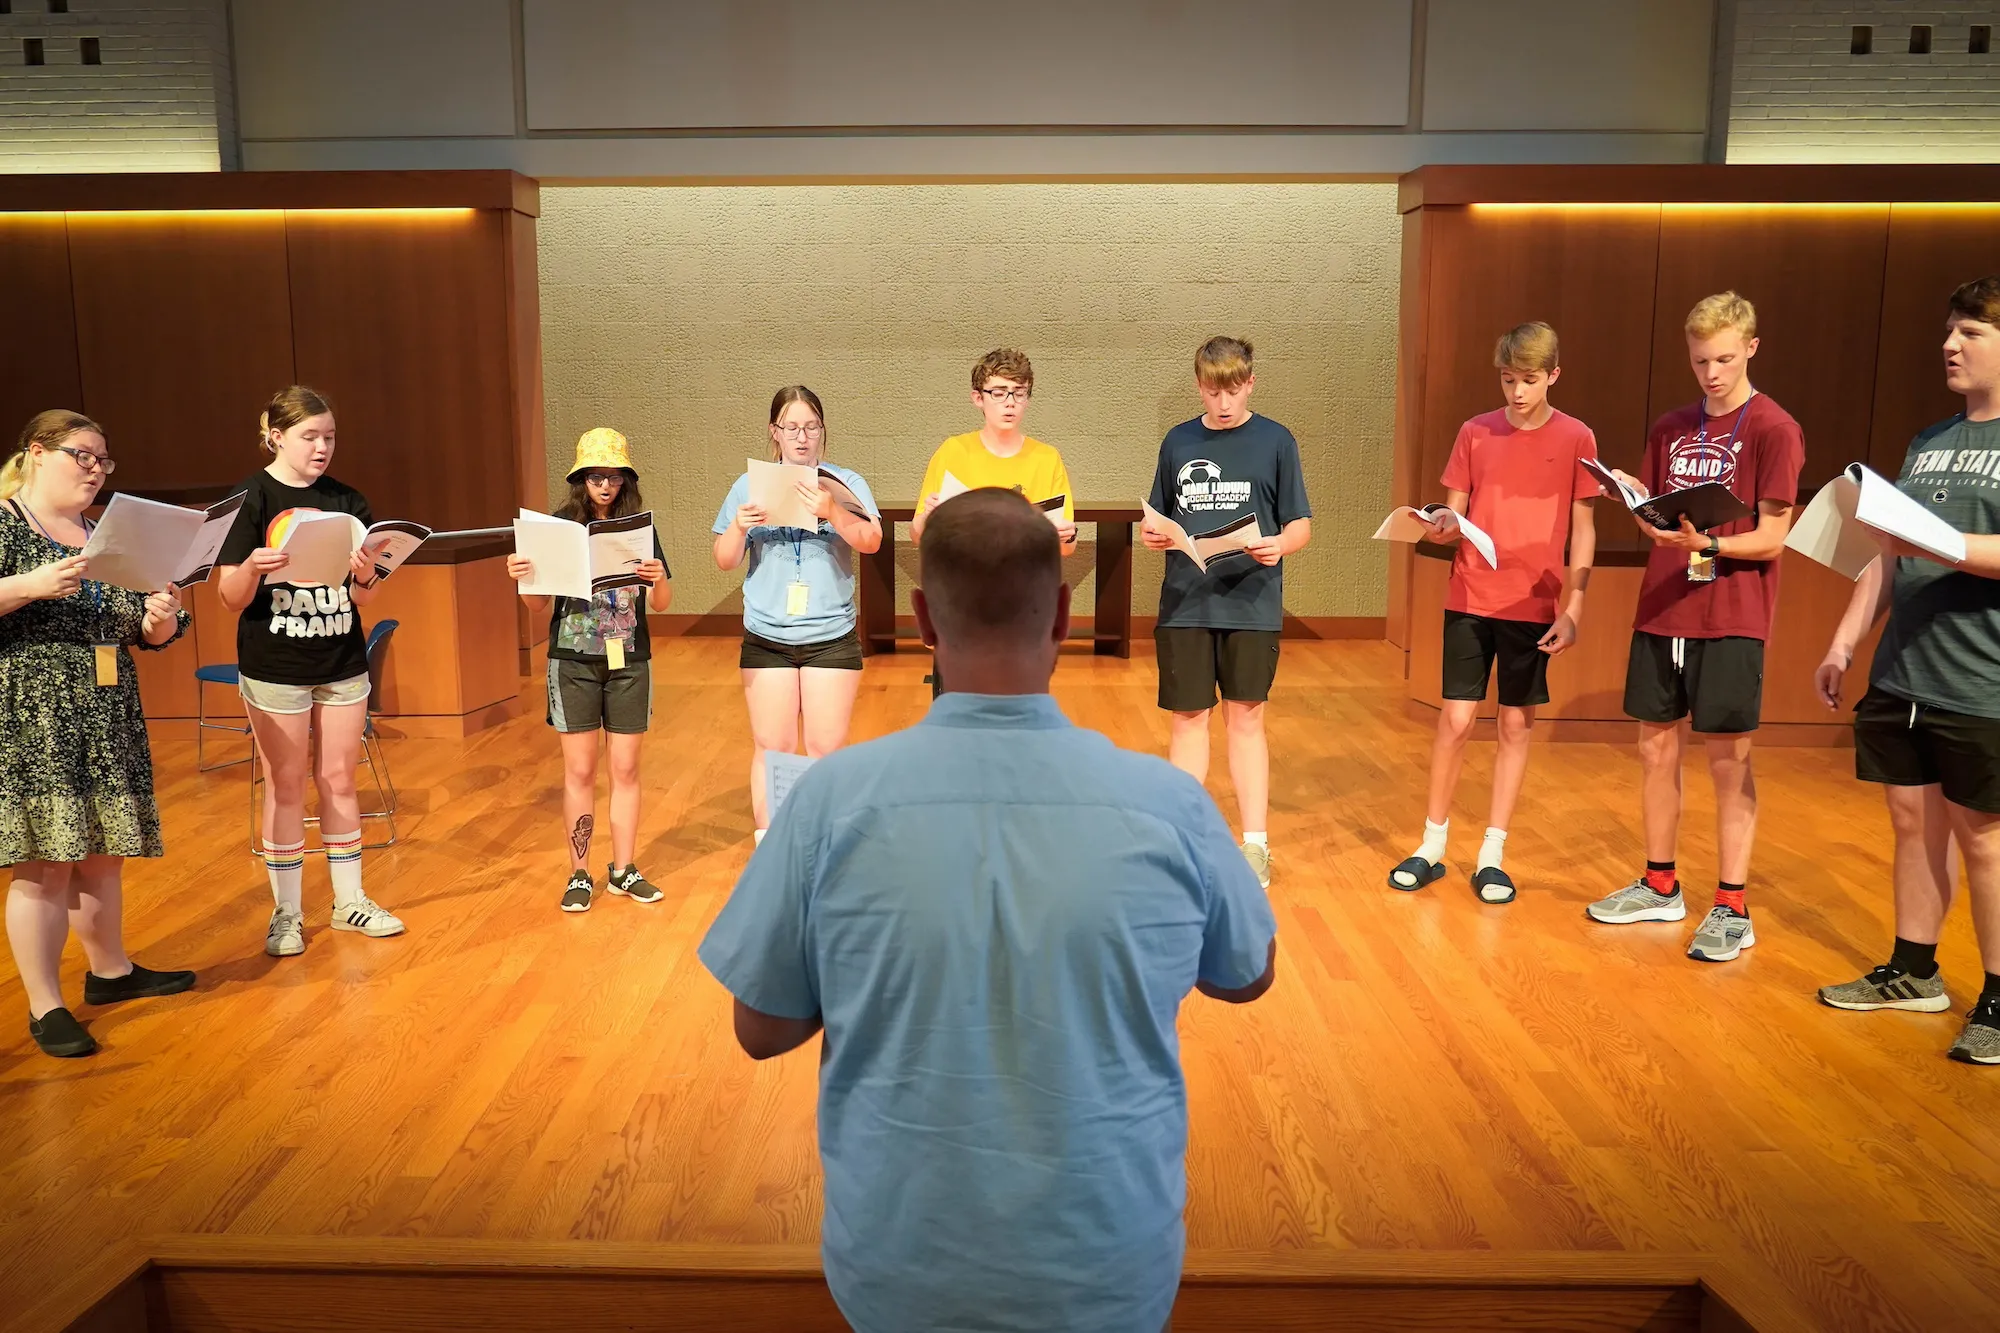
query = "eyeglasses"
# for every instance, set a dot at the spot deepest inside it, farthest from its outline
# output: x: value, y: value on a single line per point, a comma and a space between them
x: 812, y: 430
x: 604, y: 478
x: 1006, y: 395
x: 88, y: 461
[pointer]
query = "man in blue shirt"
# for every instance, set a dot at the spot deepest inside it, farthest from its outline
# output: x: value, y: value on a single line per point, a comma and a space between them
x: 996, y: 916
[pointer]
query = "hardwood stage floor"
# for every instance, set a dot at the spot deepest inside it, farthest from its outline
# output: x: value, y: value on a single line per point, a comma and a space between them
x: 1429, y: 1073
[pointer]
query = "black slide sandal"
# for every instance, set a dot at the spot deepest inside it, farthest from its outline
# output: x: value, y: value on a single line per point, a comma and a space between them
x: 1424, y: 872
x: 1496, y: 878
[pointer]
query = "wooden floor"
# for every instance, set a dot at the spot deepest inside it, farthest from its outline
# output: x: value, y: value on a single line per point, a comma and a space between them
x: 1429, y: 1073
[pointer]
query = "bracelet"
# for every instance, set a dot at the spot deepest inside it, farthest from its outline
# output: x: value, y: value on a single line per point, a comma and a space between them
x: 366, y: 587
x: 1714, y: 548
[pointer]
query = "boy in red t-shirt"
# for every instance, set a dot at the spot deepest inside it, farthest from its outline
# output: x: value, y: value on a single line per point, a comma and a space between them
x: 1516, y: 474
x: 1705, y: 609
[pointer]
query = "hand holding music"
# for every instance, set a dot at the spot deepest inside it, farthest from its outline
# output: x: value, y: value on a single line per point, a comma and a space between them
x: 267, y: 560
x: 161, y: 610
x: 818, y: 499
x: 1560, y: 638
x: 1894, y: 548
x: 55, y: 580
x: 1066, y: 534
x: 520, y: 568
x: 749, y: 516
x: 1155, y: 540
x: 1265, y: 550
x: 1441, y: 527
x: 1685, y: 538
x: 650, y: 570
x: 361, y: 565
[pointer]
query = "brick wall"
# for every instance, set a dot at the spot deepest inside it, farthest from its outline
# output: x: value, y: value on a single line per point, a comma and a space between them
x: 1798, y: 95
x: 160, y: 100
x: 673, y: 313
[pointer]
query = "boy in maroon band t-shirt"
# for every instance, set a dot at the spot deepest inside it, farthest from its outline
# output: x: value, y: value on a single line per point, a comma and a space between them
x: 1705, y: 609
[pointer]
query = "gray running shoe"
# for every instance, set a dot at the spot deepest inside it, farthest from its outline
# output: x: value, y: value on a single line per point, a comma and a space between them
x: 1636, y: 902
x: 1259, y: 857
x: 1979, y: 1044
x: 1889, y: 987
x: 629, y: 883
x: 287, y: 935
x: 1722, y: 936
x: 576, y: 893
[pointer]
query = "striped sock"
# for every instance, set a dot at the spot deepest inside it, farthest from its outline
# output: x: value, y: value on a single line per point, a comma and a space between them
x: 286, y: 866
x: 343, y: 862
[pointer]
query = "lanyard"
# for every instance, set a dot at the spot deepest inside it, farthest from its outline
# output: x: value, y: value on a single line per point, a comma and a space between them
x: 1701, y: 433
x: 96, y: 588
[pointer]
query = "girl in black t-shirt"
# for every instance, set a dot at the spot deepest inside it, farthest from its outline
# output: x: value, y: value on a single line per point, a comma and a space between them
x: 303, y: 666
x: 600, y: 675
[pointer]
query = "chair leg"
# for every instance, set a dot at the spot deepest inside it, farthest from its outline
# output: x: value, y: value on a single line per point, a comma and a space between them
x: 385, y: 788
x: 256, y: 806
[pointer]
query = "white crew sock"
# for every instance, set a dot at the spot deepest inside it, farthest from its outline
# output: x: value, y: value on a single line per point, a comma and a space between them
x: 1258, y: 839
x: 1433, y: 846
x: 1491, y: 848
x: 287, y: 867
x: 343, y: 863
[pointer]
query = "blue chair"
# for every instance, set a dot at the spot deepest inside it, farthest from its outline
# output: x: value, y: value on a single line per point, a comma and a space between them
x: 371, y: 752
x: 221, y: 673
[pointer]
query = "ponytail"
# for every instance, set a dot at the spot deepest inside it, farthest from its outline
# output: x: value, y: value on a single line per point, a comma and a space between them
x: 47, y: 429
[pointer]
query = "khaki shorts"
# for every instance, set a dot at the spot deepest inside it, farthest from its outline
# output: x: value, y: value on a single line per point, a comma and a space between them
x: 265, y: 697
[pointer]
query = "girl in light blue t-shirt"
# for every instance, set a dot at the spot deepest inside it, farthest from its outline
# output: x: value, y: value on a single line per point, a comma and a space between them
x: 801, y: 656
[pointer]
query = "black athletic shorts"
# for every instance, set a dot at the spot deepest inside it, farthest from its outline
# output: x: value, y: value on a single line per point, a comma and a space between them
x: 587, y: 696
x: 1196, y: 663
x: 1903, y: 744
x: 760, y: 654
x: 1719, y: 681
x: 1472, y: 644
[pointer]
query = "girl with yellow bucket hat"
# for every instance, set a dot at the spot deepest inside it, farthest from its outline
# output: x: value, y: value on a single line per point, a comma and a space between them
x: 600, y: 674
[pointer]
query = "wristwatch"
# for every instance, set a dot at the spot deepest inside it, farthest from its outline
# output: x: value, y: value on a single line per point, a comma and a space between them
x: 1713, y: 549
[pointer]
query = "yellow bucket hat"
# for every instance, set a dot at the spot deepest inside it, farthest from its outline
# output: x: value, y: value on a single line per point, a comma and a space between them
x: 602, y: 447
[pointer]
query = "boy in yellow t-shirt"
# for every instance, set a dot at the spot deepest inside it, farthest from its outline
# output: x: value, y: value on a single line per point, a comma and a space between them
x: 999, y: 453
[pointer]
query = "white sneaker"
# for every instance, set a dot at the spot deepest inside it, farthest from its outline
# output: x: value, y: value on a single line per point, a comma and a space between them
x: 287, y: 935
x: 1259, y: 856
x: 368, y: 917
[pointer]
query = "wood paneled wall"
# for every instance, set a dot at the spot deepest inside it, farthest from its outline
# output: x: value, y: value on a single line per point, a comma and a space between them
x: 171, y: 309
x: 1848, y: 274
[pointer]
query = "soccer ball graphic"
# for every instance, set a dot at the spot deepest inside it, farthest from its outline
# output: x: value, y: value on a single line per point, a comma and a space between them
x: 1199, y: 471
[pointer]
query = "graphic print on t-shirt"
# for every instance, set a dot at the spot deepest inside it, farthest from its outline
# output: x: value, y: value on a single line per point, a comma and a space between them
x: 1200, y: 488
x: 1955, y: 468
x: 305, y: 610
x: 1698, y: 458
x: 609, y: 615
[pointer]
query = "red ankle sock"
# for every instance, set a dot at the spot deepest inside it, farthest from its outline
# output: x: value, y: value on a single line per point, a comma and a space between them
x: 1731, y: 896
x: 1660, y: 881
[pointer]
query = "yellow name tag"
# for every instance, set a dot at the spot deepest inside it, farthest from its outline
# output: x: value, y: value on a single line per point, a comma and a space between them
x: 107, y: 664
x: 614, y: 654
x: 795, y: 598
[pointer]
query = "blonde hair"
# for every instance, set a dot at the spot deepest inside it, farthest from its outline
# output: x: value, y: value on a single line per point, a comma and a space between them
x: 1531, y: 346
x: 287, y: 408
x: 1725, y: 310
x: 1223, y: 363
x: 784, y: 398
x: 47, y: 429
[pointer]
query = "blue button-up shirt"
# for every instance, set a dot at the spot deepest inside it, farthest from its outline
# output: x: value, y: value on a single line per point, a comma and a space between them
x: 997, y: 914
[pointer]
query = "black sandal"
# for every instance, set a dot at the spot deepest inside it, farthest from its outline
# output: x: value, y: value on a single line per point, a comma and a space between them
x: 1493, y: 877
x: 1422, y: 871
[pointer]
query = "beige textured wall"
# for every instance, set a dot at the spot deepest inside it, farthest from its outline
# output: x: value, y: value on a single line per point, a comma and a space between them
x: 673, y: 313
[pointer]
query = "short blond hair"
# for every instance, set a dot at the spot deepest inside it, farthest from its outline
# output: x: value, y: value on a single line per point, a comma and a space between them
x: 1724, y: 310
x: 1223, y: 363
x: 1531, y: 346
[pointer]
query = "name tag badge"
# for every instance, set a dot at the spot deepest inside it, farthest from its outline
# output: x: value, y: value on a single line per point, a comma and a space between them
x: 1701, y: 568
x: 107, y: 663
x: 614, y: 654
x: 795, y: 598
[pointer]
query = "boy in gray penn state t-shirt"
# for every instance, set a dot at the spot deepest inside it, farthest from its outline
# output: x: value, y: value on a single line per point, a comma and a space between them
x: 1941, y: 647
